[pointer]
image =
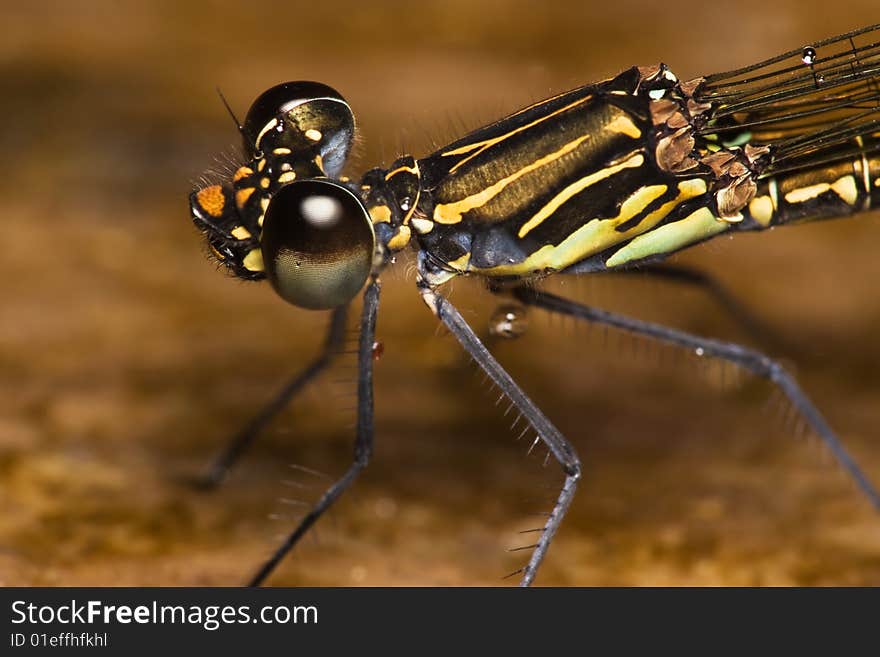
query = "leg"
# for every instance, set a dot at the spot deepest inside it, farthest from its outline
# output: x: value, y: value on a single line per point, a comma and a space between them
x: 748, y: 321
x: 363, y: 443
x: 561, y: 449
x: 245, y: 437
x: 751, y: 360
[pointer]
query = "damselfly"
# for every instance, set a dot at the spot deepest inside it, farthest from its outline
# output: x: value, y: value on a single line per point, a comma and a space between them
x: 610, y: 176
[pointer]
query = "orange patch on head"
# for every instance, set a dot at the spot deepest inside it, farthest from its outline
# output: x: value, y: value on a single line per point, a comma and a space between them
x: 212, y: 200
x: 243, y: 172
x: 242, y: 196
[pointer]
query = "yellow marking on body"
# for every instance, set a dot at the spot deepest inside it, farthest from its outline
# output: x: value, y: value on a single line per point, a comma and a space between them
x: 401, y: 239
x: 461, y: 263
x: 216, y: 253
x: 314, y: 135
x: 413, y: 205
x: 845, y: 188
x: 484, y: 145
x: 637, y: 202
x: 265, y: 129
x: 542, y: 102
x: 761, y: 209
x: 243, y: 172
x: 319, y: 162
x: 624, y: 125
x: 212, y: 200
x: 692, y: 187
x: 380, y: 214
x: 806, y: 193
x: 451, y: 213
x: 264, y: 205
x: 265, y: 182
x: 253, y: 261
x: 773, y: 188
x: 261, y: 165
x: 281, y: 151
x: 286, y: 177
x: 579, y: 185
x: 599, y: 234
x: 241, y: 233
x: 413, y: 170
x: 242, y: 196
x: 422, y: 226
x: 697, y: 226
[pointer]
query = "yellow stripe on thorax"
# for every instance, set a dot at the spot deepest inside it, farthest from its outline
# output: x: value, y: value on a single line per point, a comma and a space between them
x: 480, y: 146
x: 451, y: 213
x: 696, y: 227
x: 574, y: 188
x: 599, y: 234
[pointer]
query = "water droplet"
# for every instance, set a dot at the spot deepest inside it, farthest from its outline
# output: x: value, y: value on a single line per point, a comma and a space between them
x: 378, y: 350
x: 405, y: 203
x: 820, y: 79
x: 808, y: 56
x: 699, y: 351
x: 508, y: 321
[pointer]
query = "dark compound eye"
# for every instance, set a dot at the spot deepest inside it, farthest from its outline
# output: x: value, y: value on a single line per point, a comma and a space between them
x: 302, y: 115
x: 317, y: 244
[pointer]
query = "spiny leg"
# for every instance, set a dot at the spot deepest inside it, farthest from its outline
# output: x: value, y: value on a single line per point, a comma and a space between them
x: 242, y: 440
x: 561, y: 449
x: 750, y: 359
x: 751, y: 324
x: 363, y: 442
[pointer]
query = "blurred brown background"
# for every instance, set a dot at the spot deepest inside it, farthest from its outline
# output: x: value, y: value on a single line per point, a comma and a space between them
x: 126, y: 359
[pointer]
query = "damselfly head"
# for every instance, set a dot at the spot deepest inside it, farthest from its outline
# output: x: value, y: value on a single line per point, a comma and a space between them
x: 317, y: 243
x: 301, y: 117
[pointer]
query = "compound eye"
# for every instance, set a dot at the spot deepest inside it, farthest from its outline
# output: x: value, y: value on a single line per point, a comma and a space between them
x: 301, y: 116
x: 317, y: 244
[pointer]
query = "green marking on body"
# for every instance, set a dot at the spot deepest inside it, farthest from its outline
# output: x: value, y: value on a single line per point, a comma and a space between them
x: 696, y: 227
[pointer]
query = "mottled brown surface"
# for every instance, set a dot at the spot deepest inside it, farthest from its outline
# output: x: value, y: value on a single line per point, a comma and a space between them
x: 125, y: 359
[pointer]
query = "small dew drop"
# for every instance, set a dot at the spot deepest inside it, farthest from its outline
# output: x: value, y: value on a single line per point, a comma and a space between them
x: 699, y: 351
x: 508, y: 321
x: 808, y: 56
x: 820, y: 79
x: 378, y: 350
x: 405, y: 203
